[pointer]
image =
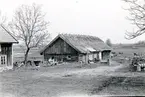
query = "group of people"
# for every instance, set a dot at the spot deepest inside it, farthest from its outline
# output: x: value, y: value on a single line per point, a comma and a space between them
x: 16, y: 64
x: 137, y: 63
x: 52, y: 61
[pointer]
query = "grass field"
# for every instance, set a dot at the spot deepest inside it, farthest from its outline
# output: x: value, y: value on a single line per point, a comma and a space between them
x: 68, y: 80
x: 49, y: 81
x: 126, y: 53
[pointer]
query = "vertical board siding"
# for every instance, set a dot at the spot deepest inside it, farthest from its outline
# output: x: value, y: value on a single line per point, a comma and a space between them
x: 61, y: 51
x: 60, y: 47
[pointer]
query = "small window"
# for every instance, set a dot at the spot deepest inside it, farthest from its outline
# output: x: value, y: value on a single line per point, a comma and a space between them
x: 69, y: 57
x: 91, y: 57
x: 3, y: 59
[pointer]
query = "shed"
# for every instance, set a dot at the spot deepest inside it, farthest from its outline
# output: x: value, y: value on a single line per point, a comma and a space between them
x: 78, y: 48
x: 6, y: 48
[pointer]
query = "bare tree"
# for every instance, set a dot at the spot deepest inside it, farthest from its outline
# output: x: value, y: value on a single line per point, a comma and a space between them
x: 137, y: 17
x: 29, y: 26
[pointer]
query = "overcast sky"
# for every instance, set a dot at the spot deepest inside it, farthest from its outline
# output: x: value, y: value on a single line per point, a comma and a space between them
x: 102, y: 18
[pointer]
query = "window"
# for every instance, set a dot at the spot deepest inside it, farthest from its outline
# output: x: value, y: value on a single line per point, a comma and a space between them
x: 68, y: 57
x: 3, y: 60
x: 91, y: 57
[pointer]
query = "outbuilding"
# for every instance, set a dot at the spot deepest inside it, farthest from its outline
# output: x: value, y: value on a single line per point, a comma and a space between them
x: 6, y: 48
x: 76, y: 48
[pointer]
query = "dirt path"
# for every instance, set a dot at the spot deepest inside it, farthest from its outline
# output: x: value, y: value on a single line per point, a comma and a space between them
x: 78, y: 82
x: 101, y: 70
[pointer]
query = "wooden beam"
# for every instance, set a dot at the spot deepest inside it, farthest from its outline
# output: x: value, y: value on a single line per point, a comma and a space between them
x: 12, y: 56
x: 100, y: 55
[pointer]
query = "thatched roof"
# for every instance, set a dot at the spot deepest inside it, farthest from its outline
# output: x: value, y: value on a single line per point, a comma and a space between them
x: 82, y: 43
x: 6, y: 37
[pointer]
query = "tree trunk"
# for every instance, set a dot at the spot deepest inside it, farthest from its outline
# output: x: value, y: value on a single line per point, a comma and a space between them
x: 26, y: 56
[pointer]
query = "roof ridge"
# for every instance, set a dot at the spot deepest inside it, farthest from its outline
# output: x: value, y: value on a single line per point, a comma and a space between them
x: 77, y: 35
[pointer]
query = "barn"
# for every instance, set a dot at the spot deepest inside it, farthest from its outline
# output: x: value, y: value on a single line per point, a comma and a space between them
x: 6, y: 48
x: 76, y: 48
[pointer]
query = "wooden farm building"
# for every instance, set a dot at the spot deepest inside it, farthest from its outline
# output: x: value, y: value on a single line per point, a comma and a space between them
x: 78, y: 48
x: 6, y: 48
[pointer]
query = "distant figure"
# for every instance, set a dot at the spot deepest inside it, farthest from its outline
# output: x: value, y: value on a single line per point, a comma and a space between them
x: 108, y: 61
x: 51, y: 61
x: 134, y: 62
x: 135, y: 54
x: 22, y: 64
x: 15, y: 65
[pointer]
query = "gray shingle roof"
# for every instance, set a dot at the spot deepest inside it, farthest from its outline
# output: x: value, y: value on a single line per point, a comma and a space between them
x: 82, y: 43
x: 6, y: 37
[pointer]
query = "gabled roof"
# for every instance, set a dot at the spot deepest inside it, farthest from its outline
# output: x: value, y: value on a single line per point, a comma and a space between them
x: 82, y: 43
x: 5, y: 36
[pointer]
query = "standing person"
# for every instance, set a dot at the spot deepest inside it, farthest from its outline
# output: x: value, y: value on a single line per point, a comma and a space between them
x: 134, y: 63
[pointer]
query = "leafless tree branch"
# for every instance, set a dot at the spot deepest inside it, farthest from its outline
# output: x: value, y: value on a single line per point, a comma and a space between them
x: 137, y: 17
x: 29, y: 26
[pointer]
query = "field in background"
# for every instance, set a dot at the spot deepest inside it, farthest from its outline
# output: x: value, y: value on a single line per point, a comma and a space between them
x: 18, y: 54
x: 120, y: 52
x: 126, y: 52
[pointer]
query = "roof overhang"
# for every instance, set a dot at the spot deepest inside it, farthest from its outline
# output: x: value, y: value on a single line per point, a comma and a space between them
x: 9, y: 42
x: 14, y: 39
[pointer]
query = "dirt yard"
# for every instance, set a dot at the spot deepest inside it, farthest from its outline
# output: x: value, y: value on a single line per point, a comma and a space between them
x: 71, y: 80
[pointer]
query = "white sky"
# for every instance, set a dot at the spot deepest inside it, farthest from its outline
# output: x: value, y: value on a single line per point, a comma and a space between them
x: 101, y: 18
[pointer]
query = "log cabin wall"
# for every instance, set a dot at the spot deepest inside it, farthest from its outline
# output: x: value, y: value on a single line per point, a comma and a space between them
x: 61, y: 51
x: 60, y: 47
x: 6, y: 49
